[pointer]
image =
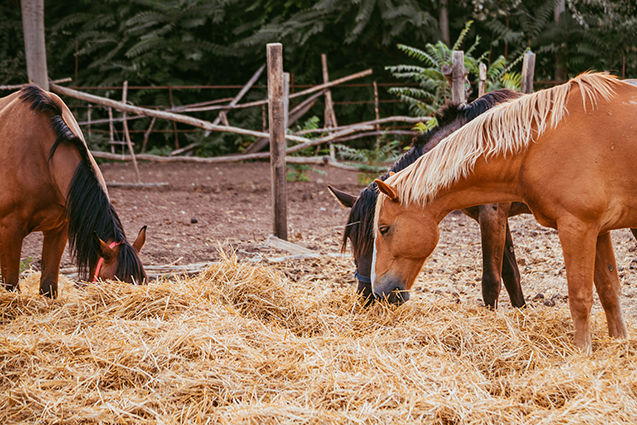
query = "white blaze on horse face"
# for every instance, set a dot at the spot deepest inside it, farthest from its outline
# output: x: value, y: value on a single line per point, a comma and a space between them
x: 373, y: 271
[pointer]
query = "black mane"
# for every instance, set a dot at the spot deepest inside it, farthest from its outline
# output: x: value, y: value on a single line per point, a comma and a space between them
x: 88, y: 208
x: 362, y: 212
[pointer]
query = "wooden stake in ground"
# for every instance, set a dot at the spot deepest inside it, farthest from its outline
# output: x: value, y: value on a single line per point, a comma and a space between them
x: 376, y: 112
x: 111, y: 129
x: 330, y: 116
x: 528, y: 69
x: 172, y: 107
x: 276, y: 108
x: 127, y: 134
x: 483, y: 79
x: 457, y: 88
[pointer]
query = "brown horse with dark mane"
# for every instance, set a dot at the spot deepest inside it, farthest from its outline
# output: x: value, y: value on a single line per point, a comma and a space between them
x: 568, y: 152
x: 50, y: 183
x: 498, y: 256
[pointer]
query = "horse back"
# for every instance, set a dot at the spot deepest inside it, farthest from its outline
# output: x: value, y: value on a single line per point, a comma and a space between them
x: 33, y: 125
x: 586, y: 165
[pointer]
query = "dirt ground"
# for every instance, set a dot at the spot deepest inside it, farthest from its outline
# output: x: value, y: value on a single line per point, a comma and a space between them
x: 203, y: 207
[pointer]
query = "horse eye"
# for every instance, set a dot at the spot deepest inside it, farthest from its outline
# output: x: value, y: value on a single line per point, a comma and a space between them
x: 383, y: 230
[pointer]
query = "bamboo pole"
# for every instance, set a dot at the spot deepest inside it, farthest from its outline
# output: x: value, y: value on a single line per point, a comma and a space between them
x: 127, y: 135
x: 276, y: 108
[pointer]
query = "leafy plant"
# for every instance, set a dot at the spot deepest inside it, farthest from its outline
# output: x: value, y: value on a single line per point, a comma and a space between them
x: 298, y: 172
x: 434, y: 90
x: 372, y: 161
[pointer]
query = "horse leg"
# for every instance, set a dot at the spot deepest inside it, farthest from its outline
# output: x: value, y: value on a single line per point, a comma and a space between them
x: 511, y: 273
x: 608, y: 287
x: 579, y: 246
x: 52, y: 250
x: 10, y: 249
x: 492, y: 220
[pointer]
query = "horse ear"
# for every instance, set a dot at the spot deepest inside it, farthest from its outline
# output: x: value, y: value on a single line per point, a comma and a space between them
x: 345, y: 199
x: 141, y: 240
x: 386, y: 189
x: 103, y: 250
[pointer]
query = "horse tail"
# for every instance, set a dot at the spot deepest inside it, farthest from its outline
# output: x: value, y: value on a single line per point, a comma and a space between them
x: 88, y: 208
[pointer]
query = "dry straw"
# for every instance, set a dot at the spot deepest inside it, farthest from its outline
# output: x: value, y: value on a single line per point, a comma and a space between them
x: 241, y: 343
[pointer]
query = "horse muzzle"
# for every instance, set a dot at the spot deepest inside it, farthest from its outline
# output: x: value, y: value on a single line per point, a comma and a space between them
x: 391, y: 290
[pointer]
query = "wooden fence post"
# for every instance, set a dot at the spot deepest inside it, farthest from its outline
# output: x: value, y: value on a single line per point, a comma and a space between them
x: 528, y: 68
x: 111, y: 129
x: 330, y: 116
x: 276, y: 110
x: 483, y: 79
x: 88, y: 116
x: 376, y: 112
x: 127, y: 134
x: 172, y: 106
x: 286, y: 99
x: 457, y: 88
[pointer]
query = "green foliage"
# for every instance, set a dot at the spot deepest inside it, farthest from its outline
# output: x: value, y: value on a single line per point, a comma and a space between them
x: 298, y: 172
x: 434, y: 90
x: 372, y: 161
x: 183, y: 42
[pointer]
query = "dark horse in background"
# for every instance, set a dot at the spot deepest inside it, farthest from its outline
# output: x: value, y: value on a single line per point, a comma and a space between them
x: 498, y: 256
x: 50, y: 183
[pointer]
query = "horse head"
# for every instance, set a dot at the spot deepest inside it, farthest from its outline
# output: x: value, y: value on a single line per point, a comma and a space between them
x: 404, y: 237
x: 119, y: 259
x: 358, y: 232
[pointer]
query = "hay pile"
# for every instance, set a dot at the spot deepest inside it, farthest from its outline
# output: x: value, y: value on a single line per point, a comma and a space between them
x: 241, y: 343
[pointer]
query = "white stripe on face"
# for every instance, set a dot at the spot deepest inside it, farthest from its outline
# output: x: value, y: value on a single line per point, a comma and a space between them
x: 373, y: 271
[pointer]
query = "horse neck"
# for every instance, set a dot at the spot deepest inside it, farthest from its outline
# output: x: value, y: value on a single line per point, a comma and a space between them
x: 490, y: 182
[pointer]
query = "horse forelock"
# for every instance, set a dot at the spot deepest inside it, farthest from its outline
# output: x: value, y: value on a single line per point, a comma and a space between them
x: 128, y: 264
x: 362, y: 216
x: 507, y: 128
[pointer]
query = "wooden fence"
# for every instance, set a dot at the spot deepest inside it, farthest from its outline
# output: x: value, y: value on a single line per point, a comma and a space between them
x: 280, y: 118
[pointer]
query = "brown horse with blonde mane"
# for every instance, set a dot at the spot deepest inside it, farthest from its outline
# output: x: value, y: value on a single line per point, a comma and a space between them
x: 567, y: 152
x: 498, y: 255
x: 51, y: 184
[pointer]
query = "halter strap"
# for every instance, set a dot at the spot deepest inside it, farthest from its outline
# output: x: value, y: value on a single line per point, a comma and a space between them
x: 100, y: 262
x: 362, y: 278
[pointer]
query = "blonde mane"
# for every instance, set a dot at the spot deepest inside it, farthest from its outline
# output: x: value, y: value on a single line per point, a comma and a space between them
x: 508, y: 128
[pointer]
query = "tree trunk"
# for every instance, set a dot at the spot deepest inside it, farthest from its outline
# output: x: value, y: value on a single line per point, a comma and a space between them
x: 34, y: 43
x: 561, y: 71
x: 444, y: 22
